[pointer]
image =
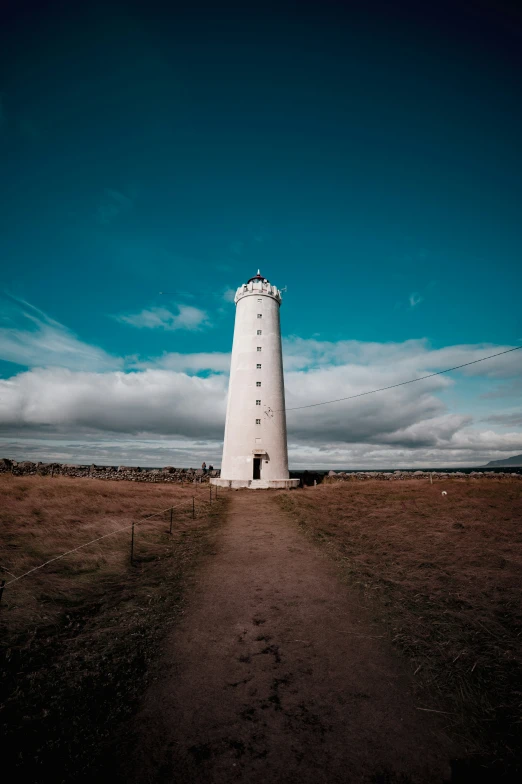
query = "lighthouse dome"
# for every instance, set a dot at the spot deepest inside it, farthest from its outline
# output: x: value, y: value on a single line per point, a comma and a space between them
x: 258, y: 285
x: 258, y: 278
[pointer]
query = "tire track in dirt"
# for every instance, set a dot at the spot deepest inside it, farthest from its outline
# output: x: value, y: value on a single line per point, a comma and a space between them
x: 275, y: 675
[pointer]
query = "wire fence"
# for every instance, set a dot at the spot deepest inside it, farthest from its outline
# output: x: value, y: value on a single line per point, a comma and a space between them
x: 191, y: 503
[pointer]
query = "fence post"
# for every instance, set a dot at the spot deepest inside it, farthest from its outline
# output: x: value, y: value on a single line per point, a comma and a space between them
x: 210, y: 488
x: 170, y: 530
x: 2, y: 584
x: 132, y: 545
x: 193, y: 510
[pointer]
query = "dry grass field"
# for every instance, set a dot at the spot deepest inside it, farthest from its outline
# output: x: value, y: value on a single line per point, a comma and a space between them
x: 79, y: 634
x: 444, y: 575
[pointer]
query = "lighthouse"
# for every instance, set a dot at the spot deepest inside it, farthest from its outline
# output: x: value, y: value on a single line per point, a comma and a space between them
x: 255, y: 450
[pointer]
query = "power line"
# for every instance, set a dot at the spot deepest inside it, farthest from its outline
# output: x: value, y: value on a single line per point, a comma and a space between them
x: 403, y: 383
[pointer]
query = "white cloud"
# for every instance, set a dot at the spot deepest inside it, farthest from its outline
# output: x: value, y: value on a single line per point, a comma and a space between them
x: 147, y: 452
x: 216, y: 362
x: 229, y: 295
x: 361, y: 456
x: 152, y: 401
x: 383, y: 417
x: 29, y: 337
x: 414, y: 357
x: 187, y: 317
x: 415, y: 299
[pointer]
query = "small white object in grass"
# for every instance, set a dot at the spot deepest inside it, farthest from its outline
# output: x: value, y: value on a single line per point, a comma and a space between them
x: 444, y: 492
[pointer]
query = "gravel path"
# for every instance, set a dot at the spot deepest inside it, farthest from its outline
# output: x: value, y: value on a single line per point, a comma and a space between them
x: 276, y: 675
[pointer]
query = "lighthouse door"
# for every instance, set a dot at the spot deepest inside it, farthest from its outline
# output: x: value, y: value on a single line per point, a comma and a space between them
x: 257, y: 468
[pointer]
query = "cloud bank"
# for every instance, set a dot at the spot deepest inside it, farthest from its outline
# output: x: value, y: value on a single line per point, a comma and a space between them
x: 73, y: 401
x: 162, y: 408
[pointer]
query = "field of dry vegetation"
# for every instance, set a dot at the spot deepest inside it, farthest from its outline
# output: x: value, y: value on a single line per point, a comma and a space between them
x: 78, y: 635
x: 443, y: 573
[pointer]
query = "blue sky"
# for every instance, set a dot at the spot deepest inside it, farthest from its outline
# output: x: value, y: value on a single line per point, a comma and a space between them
x: 368, y: 157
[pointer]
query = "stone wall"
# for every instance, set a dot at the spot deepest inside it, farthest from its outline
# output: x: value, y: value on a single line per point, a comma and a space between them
x: 128, y: 473
x: 171, y: 474
x: 437, y: 476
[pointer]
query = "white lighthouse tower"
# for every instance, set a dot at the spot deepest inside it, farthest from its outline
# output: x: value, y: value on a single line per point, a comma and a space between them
x: 255, y: 452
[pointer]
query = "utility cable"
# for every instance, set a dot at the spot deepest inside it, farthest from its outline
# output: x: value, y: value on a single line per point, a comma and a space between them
x: 403, y: 383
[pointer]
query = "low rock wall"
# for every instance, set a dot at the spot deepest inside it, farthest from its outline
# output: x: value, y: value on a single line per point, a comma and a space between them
x: 127, y: 473
x: 436, y: 476
x: 173, y: 475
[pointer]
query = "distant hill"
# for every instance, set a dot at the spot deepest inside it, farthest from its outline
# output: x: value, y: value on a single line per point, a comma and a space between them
x: 509, y: 461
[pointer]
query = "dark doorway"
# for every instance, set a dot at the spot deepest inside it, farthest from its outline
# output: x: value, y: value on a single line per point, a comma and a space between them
x: 257, y: 468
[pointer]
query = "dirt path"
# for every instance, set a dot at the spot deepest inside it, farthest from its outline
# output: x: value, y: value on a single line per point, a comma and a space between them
x: 275, y: 676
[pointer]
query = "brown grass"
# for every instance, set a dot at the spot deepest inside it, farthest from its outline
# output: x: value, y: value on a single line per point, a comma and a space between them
x: 78, y: 636
x: 444, y: 574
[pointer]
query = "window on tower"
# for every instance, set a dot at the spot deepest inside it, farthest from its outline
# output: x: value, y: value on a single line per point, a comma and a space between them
x: 258, y: 366
x: 259, y: 348
x: 258, y: 331
x: 258, y: 402
x: 258, y: 383
x: 258, y: 421
x: 260, y: 315
x: 259, y: 300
